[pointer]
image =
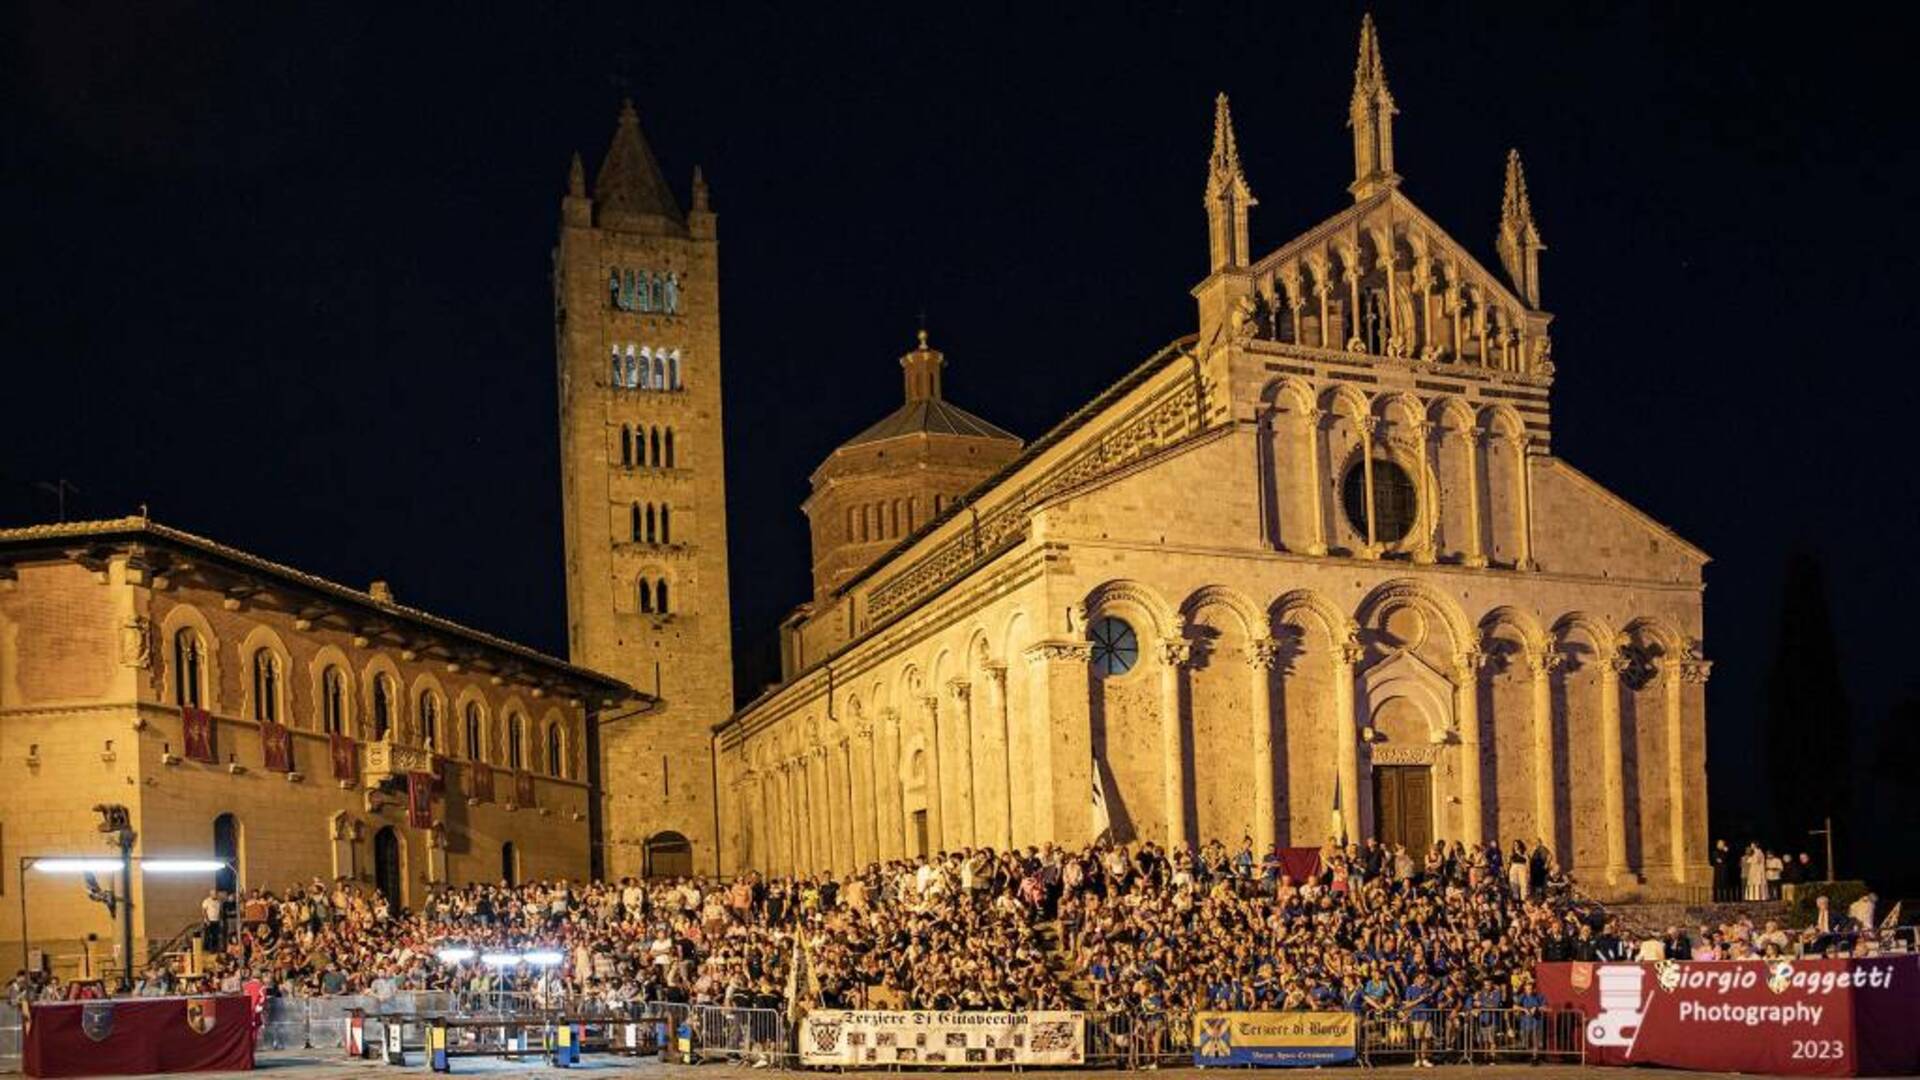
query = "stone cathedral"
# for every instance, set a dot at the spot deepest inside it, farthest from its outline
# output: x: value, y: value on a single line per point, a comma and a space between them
x: 1313, y: 569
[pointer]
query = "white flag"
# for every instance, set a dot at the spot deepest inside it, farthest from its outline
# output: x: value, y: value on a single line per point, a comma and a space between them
x: 1102, y: 818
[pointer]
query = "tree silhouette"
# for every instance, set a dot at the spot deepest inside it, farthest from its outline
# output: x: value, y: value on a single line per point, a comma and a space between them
x: 1808, y: 721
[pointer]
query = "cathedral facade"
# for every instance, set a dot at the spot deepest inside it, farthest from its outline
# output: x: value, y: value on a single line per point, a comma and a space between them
x: 1313, y: 570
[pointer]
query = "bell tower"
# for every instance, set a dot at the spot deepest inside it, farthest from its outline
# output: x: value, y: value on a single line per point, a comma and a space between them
x: 637, y: 340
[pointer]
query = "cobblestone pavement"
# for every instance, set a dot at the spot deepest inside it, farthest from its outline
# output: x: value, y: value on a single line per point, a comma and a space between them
x: 310, y: 1065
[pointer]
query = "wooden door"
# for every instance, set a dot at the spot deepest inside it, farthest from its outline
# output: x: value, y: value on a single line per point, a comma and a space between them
x: 1403, y: 806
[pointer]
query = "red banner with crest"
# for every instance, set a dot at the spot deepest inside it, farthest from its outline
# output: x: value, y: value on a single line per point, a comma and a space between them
x: 523, y: 789
x: 276, y: 747
x: 482, y: 781
x: 199, y: 734
x: 346, y: 756
x: 420, y: 800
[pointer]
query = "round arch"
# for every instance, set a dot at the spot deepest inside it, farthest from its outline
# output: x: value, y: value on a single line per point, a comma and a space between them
x: 184, y: 617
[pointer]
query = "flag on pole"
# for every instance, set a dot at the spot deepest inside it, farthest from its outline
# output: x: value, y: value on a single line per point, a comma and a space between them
x: 1893, y: 916
x: 1339, y: 819
x: 1102, y: 817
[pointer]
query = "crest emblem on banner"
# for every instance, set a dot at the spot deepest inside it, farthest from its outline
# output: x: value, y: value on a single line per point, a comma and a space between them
x: 826, y: 1036
x: 200, y: 1015
x: 1216, y: 1037
x: 1780, y: 976
x: 96, y: 1020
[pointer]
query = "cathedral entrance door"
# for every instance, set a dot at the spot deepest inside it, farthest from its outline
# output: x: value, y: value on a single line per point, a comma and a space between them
x: 1403, y: 806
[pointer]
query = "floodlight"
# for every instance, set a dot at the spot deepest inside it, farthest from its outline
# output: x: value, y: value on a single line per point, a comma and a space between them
x: 544, y: 958
x: 500, y: 959
x: 458, y: 955
x: 182, y: 866
x: 77, y: 866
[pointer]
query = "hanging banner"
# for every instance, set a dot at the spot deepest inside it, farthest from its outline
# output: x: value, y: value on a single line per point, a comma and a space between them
x: 1805, y: 1017
x: 1296, y: 1039
x: 276, y: 747
x: 346, y: 757
x: 523, y: 789
x: 973, y: 1040
x: 199, y: 731
x: 420, y: 800
x: 482, y: 781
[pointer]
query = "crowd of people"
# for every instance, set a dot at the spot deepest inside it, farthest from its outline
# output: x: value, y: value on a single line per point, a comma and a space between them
x: 1134, y: 929
x: 1756, y: 874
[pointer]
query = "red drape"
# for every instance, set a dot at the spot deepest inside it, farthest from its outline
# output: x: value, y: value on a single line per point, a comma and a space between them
x: 482, y: 781
x: 276, y: 747
x: 131, y: 1036
x: 420, y: 800
x: 200, y: 734
x: 346, y: 757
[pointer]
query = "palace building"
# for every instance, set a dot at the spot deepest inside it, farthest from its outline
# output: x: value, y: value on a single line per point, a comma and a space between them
x: 291, y: 726
x: 1312, y: 570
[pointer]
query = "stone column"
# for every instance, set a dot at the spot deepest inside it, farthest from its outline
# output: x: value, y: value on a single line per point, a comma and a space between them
x: 870, y: 809
x: 1476, y: 544
x: 1261, y: 655
x: 893, y: 837
x: 1688, y: 772
x: 1316, y: 483
x: 1367, y: 426
x: 969, y: 818
x: 1524, y: 477
x: 823, y: 799
x: 1057, y: 700
x: 1347, y: 730
x: 1426, y: 549
x: 1612, y: 765
x: 1541, y: 664
x: 853, y: 822
x: 936, y: 783
x: 1466, y: 710
x: 1174, y: 656
x: 998, y: 718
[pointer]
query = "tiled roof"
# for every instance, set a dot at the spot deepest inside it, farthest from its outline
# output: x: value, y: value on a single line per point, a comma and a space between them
x: 137, y: 527
x: 931, y: 416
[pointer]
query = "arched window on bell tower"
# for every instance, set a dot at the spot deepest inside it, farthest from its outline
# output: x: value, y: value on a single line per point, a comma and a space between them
x: 668, y: 439
x: 626, y: 447
x: 636, y: 523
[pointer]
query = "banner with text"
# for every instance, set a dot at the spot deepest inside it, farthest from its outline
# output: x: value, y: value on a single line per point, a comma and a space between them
x: 1273, y: 1038
x: 1806, y: 1017
x: 974, y: 1040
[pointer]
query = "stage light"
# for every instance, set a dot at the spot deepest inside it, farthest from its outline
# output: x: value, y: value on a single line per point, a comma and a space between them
x: 500, y: 959
x: 455, y: 955
x: 77, y: 866
x: 544, y: 958
x: 182, y: 866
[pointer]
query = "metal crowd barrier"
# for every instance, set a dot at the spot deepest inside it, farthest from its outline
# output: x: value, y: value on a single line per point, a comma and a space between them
x: 1140, y: 1040
x: 1471, y: 1036
x: 723, y: 1033
x: 11, y: 1036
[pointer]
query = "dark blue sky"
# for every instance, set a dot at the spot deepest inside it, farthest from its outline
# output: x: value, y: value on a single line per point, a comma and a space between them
x: 283, y: 275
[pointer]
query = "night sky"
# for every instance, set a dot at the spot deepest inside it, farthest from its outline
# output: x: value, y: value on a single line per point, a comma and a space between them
x: 284, y: 276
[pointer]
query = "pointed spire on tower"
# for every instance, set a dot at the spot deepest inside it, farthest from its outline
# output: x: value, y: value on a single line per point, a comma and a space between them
x: 577, y: 176
x: 1371, y: 118
x: 1228, y: 196
x: 700, y: 197
x: 1519, y: 240
x: 630, y: 189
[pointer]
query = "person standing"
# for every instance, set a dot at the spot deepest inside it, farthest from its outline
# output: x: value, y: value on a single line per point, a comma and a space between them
x: 1753, y: 873
x: 1724, y: 871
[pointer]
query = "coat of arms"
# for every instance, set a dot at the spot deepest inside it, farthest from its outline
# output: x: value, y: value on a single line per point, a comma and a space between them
x: 1216, y: 1037
x: 96, y: 1020
x: 200, y: 1015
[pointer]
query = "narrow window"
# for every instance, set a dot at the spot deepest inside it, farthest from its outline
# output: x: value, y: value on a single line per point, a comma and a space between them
x: 382, y: 707
x: 911, y: 507
x: 473, y: 731
x: 659, y: 294
x: 666, y: 524
x: 333, y: 701
x: 619, y: 370
x: 650, y: 523
x: 673, y: 293
x: 894, y: 523
x: 555, y: 762
x: 514, y: 741
x: 636, y: 523
x: 863, y: 523
x: 646, y: 597
x: 636, y: 370
x: 613, y: 286
x: 850, y: 528
x: 429, y: 720
x: 266, y: 687
x: 653, y: 457
x: 669, y: 444
x: 632, y: 300
x: 187, y: 668
x: 626, y: 447
x: 660, y: 596
x: 673, y: 370
x: 660, y: 371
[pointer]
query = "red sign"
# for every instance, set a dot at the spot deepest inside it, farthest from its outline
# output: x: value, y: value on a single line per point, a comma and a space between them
x: 482, y: 781
x: 1810, y: 1017
x: 420, y: 800
x: 523, y: 789
x: 199, y: 730
x: 276, y: 746
x: 346, y: 757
